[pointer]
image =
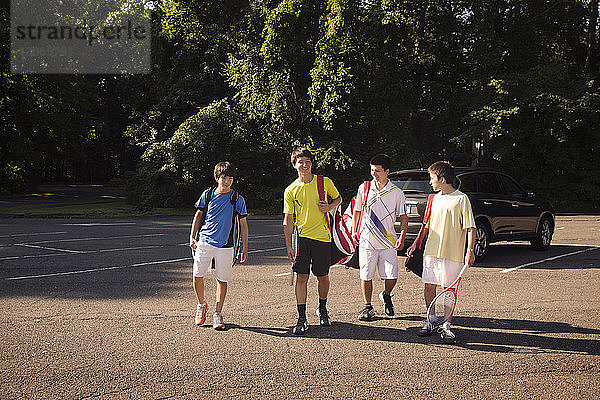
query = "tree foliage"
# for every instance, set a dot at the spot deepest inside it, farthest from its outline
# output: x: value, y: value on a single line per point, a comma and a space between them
x: 511, y: 84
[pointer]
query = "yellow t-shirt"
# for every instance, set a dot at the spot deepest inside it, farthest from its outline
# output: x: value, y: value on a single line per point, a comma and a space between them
x: 451, y: 216
x: 302, y: 199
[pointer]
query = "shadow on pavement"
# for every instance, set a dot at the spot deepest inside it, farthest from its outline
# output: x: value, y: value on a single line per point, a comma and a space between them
x: 162, y: 280
x: 492, y: 335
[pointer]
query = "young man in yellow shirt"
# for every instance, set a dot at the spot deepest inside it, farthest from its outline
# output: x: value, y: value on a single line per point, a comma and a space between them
x: 449, y: 226
x: 301, y: 199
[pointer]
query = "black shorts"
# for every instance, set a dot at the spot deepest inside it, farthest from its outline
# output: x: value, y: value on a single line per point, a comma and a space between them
x: 313, y: 252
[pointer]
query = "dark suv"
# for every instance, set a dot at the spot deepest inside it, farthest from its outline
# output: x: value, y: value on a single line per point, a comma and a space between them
x: 502, y: 209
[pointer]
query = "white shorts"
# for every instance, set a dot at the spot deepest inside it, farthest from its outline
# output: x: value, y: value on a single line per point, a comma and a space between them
x: 439, y: 271
x: 223, y: 259
x: 385, y: 261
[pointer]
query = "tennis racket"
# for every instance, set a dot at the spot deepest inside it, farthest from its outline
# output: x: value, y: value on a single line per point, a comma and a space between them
x: 295, y: 250
x: 442, y: 307
x: 237, y: 241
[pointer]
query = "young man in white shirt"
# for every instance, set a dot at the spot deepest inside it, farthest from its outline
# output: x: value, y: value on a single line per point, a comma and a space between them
x: 378, y: 242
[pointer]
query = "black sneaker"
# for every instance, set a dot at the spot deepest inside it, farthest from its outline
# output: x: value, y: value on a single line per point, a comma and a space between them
x: 301, y: 327
x: 386, y: 299
x: 367, y: 314
x: 323, y: 317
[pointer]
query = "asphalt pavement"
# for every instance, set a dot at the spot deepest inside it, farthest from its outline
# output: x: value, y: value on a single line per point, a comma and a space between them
x: 104, y: 309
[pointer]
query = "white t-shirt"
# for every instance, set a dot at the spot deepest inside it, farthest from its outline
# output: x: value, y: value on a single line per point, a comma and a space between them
x: 383, y: 206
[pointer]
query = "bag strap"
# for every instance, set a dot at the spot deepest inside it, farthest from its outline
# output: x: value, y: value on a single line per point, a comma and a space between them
x: 321, y: 190
x: 321, y: 187
x: 428, y: 209
x: 209, y: 194
x: 425, y: 220
x: 366, y: 190
x: 233, y: 198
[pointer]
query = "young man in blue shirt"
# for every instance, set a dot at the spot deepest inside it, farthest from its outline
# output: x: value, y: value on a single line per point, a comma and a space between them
x: 211, y: 238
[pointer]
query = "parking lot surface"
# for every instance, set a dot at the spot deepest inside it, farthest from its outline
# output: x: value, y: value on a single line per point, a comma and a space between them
x: 104, y: 309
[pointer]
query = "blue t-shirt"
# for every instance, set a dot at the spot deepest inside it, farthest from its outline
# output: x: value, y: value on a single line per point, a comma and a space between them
x: 219, y: 215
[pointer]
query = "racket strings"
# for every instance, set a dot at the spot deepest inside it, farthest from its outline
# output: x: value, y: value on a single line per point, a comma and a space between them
x: 442, y: 307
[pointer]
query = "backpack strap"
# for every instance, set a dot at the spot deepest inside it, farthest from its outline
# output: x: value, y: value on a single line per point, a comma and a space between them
x: 233, y: 199
x: 428, y: 209
x: 209, y: 195
x: 366, y: 190
x: 321, y: 190
x: 321, y: 187
x: 426, y: 217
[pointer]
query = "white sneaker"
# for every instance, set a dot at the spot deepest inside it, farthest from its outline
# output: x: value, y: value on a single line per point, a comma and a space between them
x: 436, y: 321
x: 218, y: 323
x: 446, y: 334
x: 200, y: 313
x: 426, y: 330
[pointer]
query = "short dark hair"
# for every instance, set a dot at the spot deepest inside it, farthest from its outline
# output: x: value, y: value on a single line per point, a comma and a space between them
x: 225, y: 168
x: 381, y: 159
x: 443, y: 169
x: 300, y: 152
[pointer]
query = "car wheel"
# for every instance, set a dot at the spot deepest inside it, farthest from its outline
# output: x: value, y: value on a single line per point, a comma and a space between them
x: 544, y: 235
x: 482, y: 240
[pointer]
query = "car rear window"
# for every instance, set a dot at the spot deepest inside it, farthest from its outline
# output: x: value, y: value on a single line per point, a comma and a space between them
x: 413, y: 182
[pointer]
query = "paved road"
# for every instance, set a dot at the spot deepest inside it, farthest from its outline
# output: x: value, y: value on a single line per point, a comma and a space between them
x: 104, y: 309
x: 61, y: 195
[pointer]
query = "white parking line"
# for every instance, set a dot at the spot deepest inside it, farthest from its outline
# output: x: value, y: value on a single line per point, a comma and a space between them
x: 249, y: 237
x: 106, y: 251
x: 94, y: 238
x: 49, y: 248
x: 33, y: 234
x: 85, y: 271
x: 81, y: 252
x: 120, y: 266
x: 265, y: 236
x: 265, y: 250
x: 102, y: 224
x: 549, y: 259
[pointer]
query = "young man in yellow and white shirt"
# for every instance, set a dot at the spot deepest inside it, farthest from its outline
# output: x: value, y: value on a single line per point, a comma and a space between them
x: 378, y: 242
